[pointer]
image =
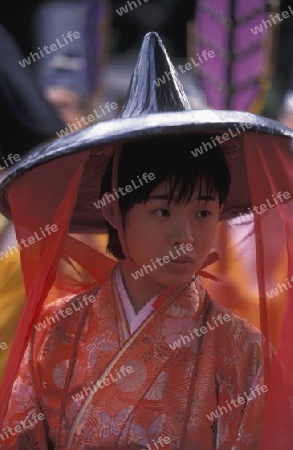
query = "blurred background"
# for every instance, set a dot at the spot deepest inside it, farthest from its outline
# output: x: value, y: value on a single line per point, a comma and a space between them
x: 45, y: 91
x: 96, y: 68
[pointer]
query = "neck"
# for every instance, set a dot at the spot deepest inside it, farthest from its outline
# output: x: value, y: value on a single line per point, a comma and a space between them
x: 140, y: 291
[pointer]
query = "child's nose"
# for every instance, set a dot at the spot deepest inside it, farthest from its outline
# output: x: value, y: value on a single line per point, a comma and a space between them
x: 182, y: 234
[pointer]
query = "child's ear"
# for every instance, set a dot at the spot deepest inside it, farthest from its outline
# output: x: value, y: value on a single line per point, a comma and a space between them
x: 108, y: 213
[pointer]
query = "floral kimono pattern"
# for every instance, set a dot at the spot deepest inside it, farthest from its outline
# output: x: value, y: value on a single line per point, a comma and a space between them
x: 176, y: 382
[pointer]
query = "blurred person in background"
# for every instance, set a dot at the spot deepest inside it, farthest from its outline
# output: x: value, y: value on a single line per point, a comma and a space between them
x: 72, y: 77
x: 27, y: 119
x: 61, y: 74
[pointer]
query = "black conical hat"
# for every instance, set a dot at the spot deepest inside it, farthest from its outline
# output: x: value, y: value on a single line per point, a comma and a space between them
x: 154, y: 86
x: 155, y: 105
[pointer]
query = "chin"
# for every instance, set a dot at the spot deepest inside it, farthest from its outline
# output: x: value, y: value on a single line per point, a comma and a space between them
x: 174, y: 279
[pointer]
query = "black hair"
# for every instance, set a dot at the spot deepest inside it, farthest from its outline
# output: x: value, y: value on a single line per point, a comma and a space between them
x: 169, y: 158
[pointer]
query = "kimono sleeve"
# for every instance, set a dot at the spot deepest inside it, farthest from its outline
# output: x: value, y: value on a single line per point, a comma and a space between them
x: 25, y: 425
x: 254, y: 397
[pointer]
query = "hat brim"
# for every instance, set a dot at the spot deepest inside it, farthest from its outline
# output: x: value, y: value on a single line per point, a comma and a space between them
x: 100, y: 139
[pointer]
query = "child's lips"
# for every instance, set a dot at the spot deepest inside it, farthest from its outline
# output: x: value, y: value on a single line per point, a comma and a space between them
x: 183, y: 259
x: 182, y: 263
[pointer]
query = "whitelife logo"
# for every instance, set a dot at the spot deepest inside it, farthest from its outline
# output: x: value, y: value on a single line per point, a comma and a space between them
x: 216, y: 140
x: 71, y: 127
x: 220, y: 410
x: 22, y: 425
x: 9, y: 160
x: 263, y: 208
x: 184, y: 339
x: 29, y: 241
x: 279, y: 288
x: 200, y: 59
x: 124, y: 9
x: 3, y: 346
x: 269, y: 23
x: 100, y: 384
x: 166, y: 260
x: 146, y: 177
x: 53, y: 47
x: 159, y: 443
x: 76, y: 305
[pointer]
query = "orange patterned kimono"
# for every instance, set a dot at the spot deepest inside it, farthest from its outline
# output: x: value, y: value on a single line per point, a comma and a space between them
x: 99, y: 387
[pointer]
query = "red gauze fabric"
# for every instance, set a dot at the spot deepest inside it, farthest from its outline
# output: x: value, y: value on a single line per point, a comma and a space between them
x: 255, y: 258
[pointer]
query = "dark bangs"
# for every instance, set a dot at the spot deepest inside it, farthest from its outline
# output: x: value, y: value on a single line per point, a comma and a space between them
x: 171, y: 160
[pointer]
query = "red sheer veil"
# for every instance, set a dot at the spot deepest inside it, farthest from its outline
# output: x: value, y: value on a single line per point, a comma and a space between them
x: 50, y: 195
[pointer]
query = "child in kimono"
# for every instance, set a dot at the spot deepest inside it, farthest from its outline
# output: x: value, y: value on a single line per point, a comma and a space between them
x: 147, y: 360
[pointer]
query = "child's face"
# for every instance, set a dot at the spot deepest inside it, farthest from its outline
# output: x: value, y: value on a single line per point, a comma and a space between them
x: 153, y: 230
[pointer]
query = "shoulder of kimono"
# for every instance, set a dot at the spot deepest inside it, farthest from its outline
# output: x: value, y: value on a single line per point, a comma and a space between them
x: 60, y: 303
x: 237, y: 326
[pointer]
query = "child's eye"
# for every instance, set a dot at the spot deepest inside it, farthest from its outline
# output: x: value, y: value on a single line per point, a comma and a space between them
x: 162, y: 213
x: 204, y: 214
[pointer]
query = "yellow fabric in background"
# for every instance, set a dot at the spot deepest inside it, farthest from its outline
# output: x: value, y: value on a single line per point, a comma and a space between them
x: 12, y: 299
x: 237, y: 273
x: 12, y: 293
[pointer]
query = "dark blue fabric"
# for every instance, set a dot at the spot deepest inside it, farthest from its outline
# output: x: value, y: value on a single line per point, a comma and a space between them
x: 66, y: 66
